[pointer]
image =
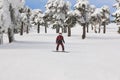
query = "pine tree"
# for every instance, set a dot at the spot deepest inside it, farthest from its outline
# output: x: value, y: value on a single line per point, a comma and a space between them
x: 56, y: 10
x: 83, y: 7
x: 10, y: 18
x: 11, y: 28
x: 14, y: 7
x: 99, y: 17
x: 105, y: 17
x: 70, y: 21
x: 5, y: 20
x: 37, y: 18
x: 25, y: 14
x: 116, y: 14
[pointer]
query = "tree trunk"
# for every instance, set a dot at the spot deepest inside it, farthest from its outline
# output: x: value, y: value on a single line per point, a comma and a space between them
x: 21, y: 30
x: 87, y: 27
x: 119, y: 30
x: 57, y: 30
x: 1, y: 37
x: 62, y: 30
x: 65, y: 29
x: 27, y: 29
x: 91, y: 26
x: 38, y: 29
x: 10, y: 35
x: 104, y: 29
x: 84, y: 32
x: 99, y: 28
x: 46, y: 28
x: 69, y: 31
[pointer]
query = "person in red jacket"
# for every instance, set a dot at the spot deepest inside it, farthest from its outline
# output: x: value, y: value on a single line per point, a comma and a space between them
x: 60, y: 41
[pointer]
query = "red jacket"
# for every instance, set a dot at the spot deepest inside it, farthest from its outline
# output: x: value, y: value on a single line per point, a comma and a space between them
x: 60, y: 39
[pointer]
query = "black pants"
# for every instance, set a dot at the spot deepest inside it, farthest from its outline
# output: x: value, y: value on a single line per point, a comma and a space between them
x: 59, y: 45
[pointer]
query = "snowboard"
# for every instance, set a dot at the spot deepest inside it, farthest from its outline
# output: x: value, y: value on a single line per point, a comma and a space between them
x: 62, y: 51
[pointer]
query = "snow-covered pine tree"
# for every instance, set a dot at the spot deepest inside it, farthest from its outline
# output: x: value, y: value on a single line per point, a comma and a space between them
x: 14, y: 6
x: 1, y: 22
x: 75, y: 16
x: 23, y: 21
x: 10, y: 17
x: 105, y: 11
x: 92, y: 10
x: 11, y: 28
x: 99, y: 17
x: 83, y: 7
x: 25, y: 14
x: 45, y: 23
x: 96, y: 20
x: 37, y: 18
x: 56, y: 12
x: 116, y: 14
x: 70, y: 21
x: 57, y: 25
x: 28, y: 14
x: 50, y: 10
x: 5, y: 21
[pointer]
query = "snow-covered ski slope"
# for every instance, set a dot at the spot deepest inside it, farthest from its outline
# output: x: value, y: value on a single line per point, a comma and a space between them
x: 30, y: 57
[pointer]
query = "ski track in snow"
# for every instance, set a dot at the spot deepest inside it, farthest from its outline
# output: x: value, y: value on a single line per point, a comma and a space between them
x: 30, y: 57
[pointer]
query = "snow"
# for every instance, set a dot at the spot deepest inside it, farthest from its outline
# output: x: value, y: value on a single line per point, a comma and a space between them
x: 97, y: 12
x: 5, y: 21
x: 31, y: 57
x: 17, y: 4
x: 117, y: 13
x: 80, y: 3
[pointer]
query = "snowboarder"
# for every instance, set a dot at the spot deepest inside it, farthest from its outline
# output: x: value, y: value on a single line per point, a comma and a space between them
x: 60, y: 41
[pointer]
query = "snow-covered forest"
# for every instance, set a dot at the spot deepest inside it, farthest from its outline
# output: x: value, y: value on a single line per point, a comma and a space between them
x: 28, y: 40
x: 19, y: 18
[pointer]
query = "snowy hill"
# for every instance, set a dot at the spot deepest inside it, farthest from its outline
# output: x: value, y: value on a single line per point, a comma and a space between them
x: 30, y: 57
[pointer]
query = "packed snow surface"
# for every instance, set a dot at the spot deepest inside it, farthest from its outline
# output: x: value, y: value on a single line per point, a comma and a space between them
x: 30, y: 57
